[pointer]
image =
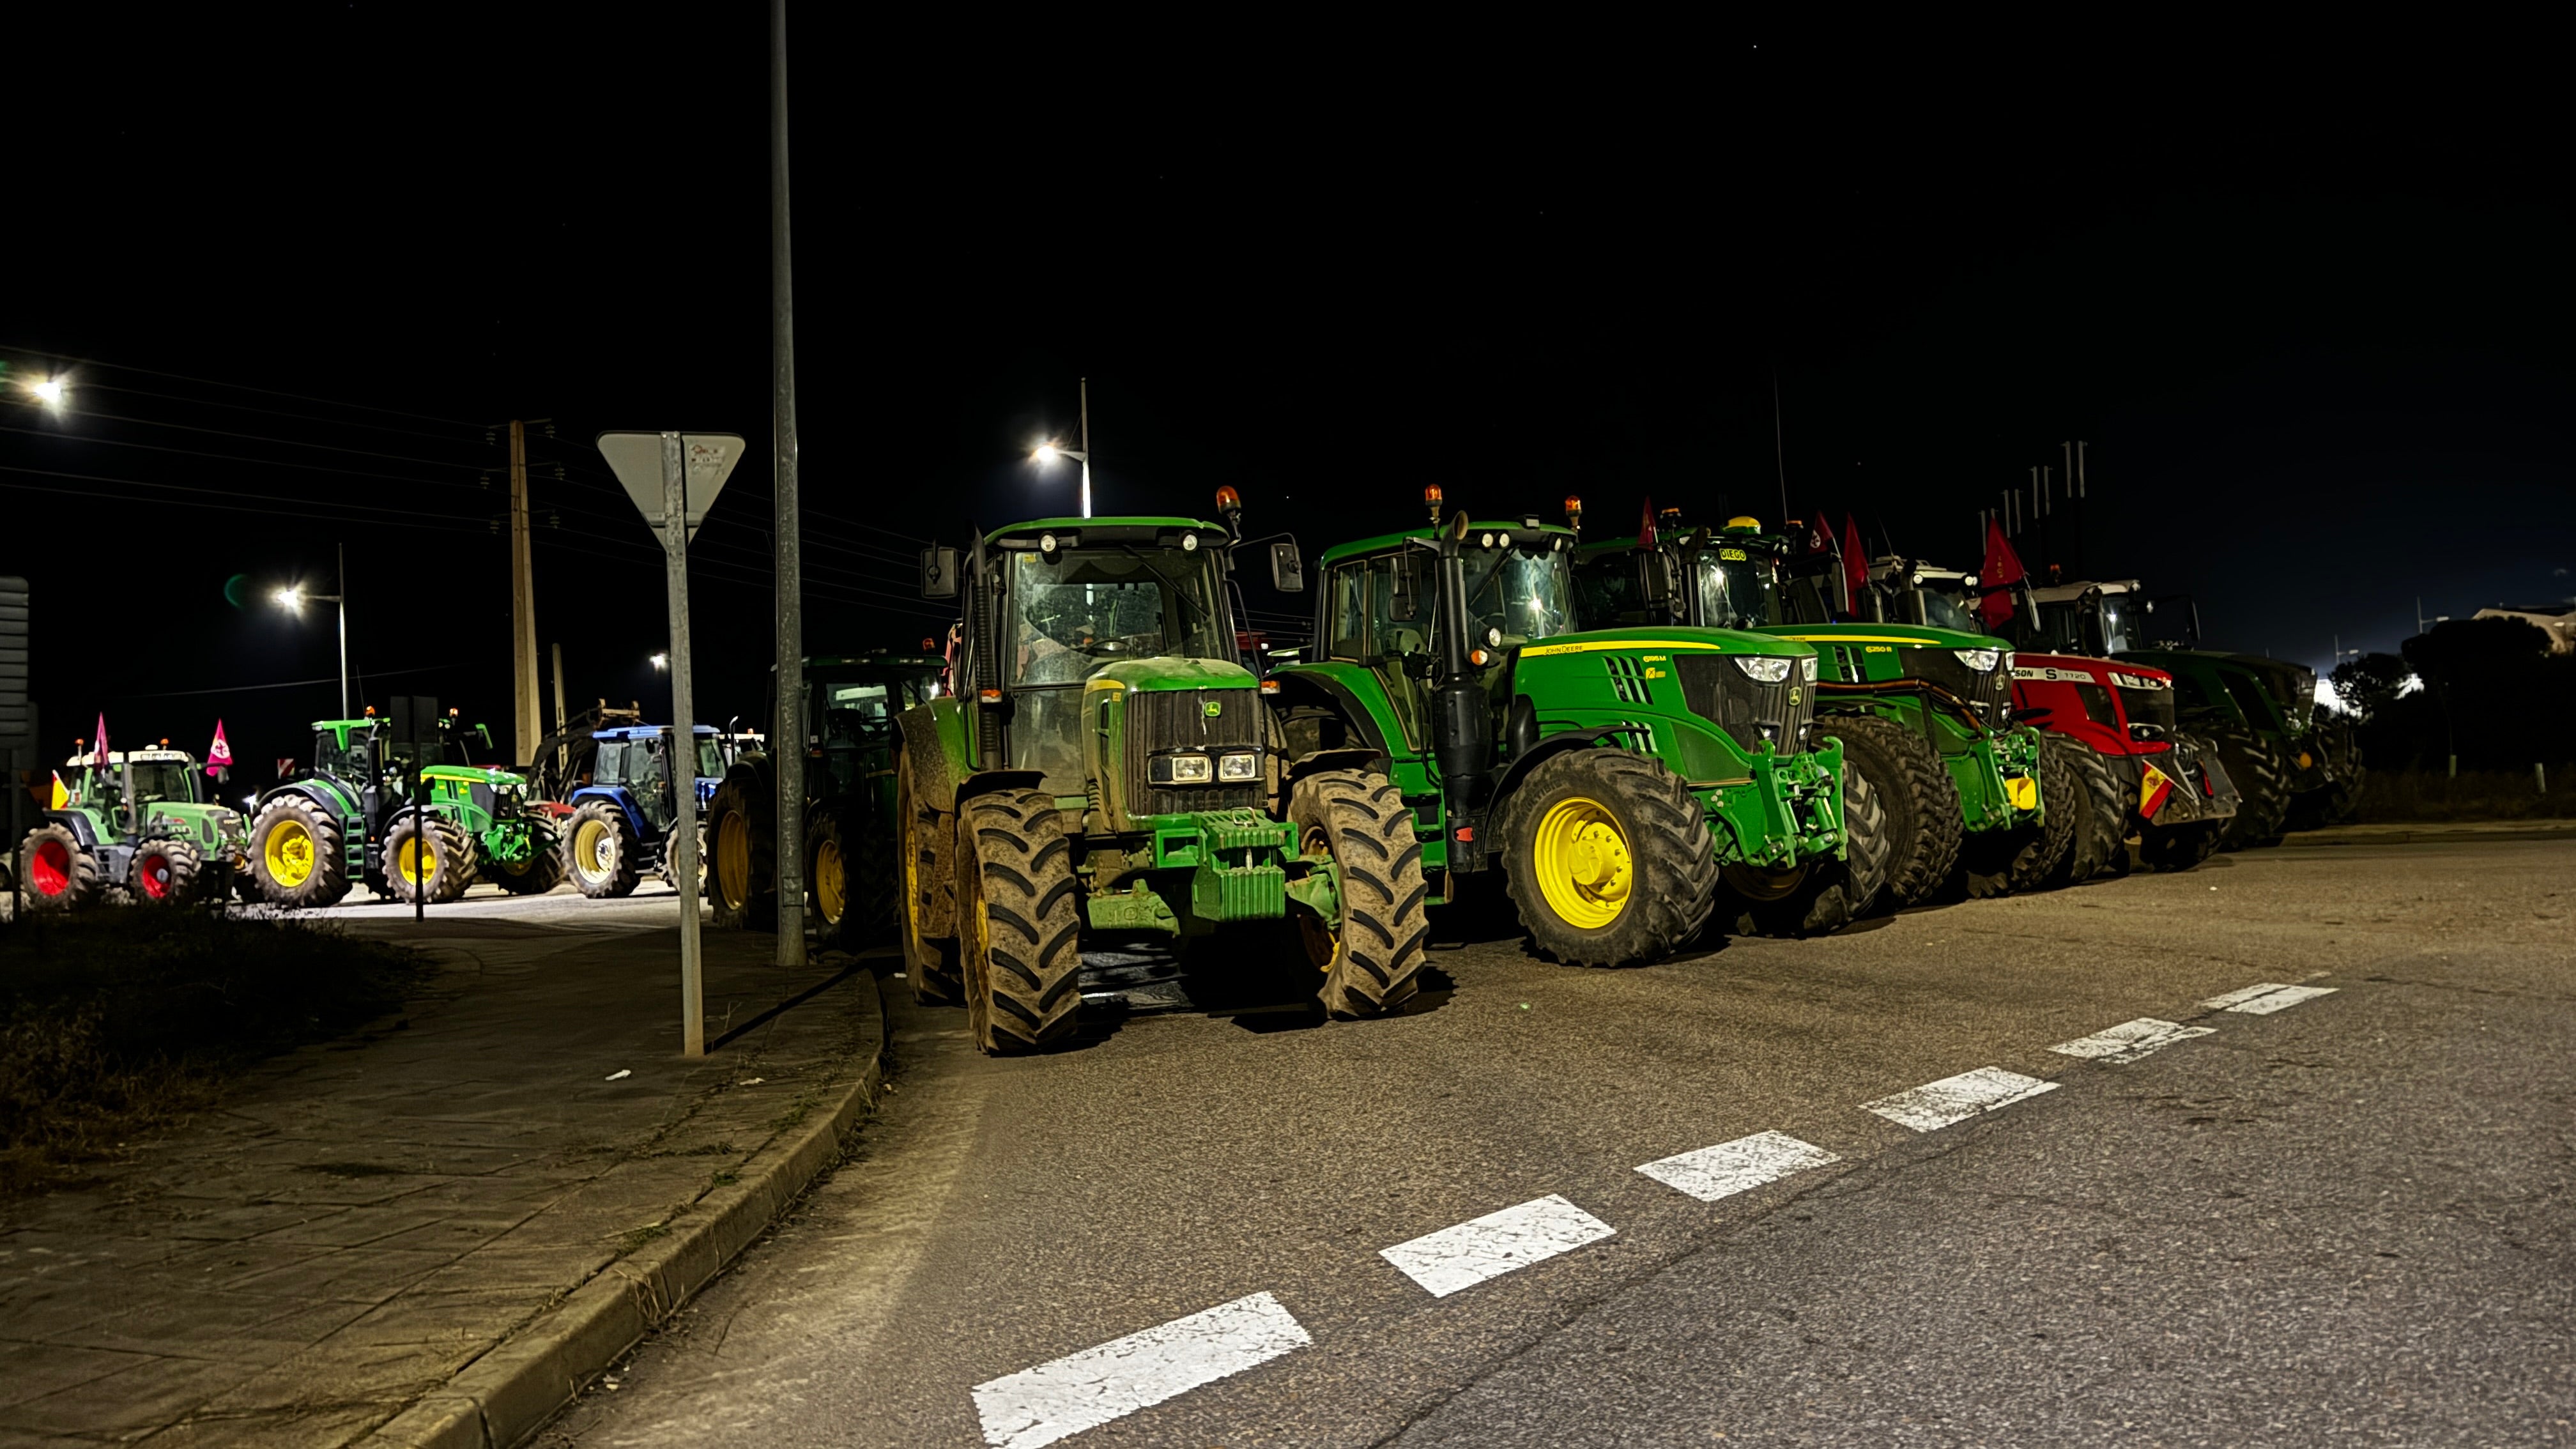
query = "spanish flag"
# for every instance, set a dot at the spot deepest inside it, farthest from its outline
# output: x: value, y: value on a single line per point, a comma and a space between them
x: 2152, y: 791
x: 62, y: 797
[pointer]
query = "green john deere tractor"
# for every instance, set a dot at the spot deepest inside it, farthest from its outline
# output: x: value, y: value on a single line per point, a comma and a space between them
x: 2294, y: 767
x: 1921, y: 706
x: 350, y: 818
x: 1616, y: 778
x: 851, y: 702
x: 141, y: 821
x: 1105, y: 772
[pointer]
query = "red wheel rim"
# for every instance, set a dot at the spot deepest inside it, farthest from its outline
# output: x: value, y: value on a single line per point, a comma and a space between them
x: 155, y: 876
x: 51, y: 871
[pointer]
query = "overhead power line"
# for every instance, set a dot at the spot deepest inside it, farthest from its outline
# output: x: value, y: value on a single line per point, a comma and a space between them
x: 239, y: 386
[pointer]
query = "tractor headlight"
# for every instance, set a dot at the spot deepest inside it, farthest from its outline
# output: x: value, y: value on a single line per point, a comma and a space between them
x: 1981, y: 660
x: 1241, y: 765
x: 1182, y: 770
x: 1807, y: 669
x: 1763, y: 668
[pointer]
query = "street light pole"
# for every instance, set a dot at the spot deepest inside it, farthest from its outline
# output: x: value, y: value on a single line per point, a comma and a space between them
x: 341, y: 603
x: 1086, y: 447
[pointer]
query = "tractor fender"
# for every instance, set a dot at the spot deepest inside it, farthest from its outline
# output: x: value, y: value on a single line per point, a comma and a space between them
x: 337, y: 803
x: 755, y: 777
x: 1311, y: 686
x: 620, y: 797
x: 1548, y: 748
x: 985, y: 782
x: 1349, y: 757
x: 83, y: 829
x: 934, y: 744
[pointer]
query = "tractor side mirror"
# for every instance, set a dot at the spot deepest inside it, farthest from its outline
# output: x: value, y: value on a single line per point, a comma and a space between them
x: 1287, y: 570
x: 1404, y: 589
x: 939, y: 573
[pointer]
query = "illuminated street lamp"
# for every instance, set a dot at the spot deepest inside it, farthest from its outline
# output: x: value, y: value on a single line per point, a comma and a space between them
x: 1050, y: 450
x: 661, y: 661
x: 49, y: 392
x: 292, y: 599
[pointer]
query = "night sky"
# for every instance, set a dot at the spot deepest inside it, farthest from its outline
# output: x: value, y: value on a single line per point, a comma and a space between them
x: 2318, y: 345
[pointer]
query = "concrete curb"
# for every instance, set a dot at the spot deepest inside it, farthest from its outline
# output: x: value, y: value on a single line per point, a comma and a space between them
x: 512, y: 1391
x: 2422, y: 834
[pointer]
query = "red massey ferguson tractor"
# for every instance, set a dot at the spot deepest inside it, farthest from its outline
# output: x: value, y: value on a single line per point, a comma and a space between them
x: 2166, y: 786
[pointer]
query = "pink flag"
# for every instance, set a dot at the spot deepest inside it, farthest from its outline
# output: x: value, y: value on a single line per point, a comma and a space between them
x: 99, y: 750
x: 219, y: 755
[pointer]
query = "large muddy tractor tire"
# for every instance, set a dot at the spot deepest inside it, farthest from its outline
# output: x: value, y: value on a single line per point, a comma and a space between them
x: 2021, y: 860
x: 164, y: 873
x: 295, y: 854
x: 436, y: 861
x: 926, y: 910
x: 1372, y: 957
x: 2262, y: 780
x: 1834, y: 893
x: 60, y: 875
x: 1917, y: 795
x: 1609, y: 858
x: 2101, y: 829
x: 601, y: 855
x: 742, y: 858
x: 1020, y: 911
x: 2177, y: 847
x: 668, y: 872
x: 533, y: 874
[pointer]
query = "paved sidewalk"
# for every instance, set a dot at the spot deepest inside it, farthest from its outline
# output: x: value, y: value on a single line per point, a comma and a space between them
x: 362, y: 1221
x: 2419, y: 832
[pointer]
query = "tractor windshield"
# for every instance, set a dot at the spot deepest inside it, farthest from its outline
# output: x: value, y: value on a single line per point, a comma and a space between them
x: 1074, y: 610
x: 170, y: 780
x: 357, y: 760
x: 711, y: 762
x: 1946, y: 606
x: 1738, y: 587
x: 1524, y: 593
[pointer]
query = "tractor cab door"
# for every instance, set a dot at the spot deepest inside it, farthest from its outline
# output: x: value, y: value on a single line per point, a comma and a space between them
x: 855, y: 722
x: 1378, y: 613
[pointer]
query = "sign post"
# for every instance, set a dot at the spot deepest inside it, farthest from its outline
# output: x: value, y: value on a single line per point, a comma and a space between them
x: 674, y: 479
x: 17, y: 726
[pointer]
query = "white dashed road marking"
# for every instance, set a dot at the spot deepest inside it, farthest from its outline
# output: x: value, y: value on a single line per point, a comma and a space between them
x: 1738, y: 1166
x: 1495, y: 1244
x: 2264, y: 999
x: 1936, y: 1105
x: 2130, y: 1040
x: 1087, y: 1389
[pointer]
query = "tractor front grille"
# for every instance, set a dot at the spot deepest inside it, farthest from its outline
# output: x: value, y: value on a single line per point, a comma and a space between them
x: 1989, y: 694
x: 1177, y: 719
x: 1750, y: 711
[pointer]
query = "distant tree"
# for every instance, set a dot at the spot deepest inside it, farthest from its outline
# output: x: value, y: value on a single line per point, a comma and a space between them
x: 2369, y: 684
x: 2478, y: 656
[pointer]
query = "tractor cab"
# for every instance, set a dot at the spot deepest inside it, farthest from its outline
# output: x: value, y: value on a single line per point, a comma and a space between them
x: 851, y: 702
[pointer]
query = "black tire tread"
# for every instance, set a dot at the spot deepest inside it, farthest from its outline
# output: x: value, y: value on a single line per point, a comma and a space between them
x: 85, y: 884
x: 1024, y: 994
x: 1673, y: 849
x: 1386, y: 917
x: 1925, y: 821
x: 622, y: 875
x: 329, y: 881
x: 2262, y: 778
x: 186, y: 863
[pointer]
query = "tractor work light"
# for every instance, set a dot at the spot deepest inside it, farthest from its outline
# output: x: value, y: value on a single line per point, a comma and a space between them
x: 1981, y: 660
x: 1240, y: 765
x: 1763, y: 668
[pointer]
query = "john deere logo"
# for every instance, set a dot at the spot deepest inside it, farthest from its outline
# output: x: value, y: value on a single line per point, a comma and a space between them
x: 1215, y: 707
x: 1795, y: 694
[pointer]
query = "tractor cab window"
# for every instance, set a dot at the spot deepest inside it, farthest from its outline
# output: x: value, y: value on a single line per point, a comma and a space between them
x: 1944, y: 604
x: 357, y: 758
x: 1606, y: 594
x: 1076, y: 609
x: 857, y: 712
x: 644, y: 773
x: 169, y: 780
x: 610, y: 766
x: 1525, y: 593
x: 711, y: 762
x: 1068, y: 613
x: 1738, y: 588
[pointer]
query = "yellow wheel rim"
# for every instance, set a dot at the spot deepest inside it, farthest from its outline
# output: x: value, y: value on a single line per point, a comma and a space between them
x: 289, y: 853
x: 829, y: 889
x: 590, y: 846
x: 1581, y: 858
x: 733, y: 859
x: 911, y: 881
x: 413, y: 863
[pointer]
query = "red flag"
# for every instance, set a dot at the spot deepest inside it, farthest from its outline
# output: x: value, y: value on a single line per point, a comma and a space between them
x: 98, y: 752
x: 219, y: 755
x: 1646, y: 527
x: 2003, y: 569
x: 1855, y: 562
x: 1819, y: 535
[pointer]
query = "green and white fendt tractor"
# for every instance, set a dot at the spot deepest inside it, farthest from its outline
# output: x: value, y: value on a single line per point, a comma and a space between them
x: 141, y: 821
x: 1624, y: 782
x: 351, y: 819
x: 1922, y: 706
x: 2294, y: 767
x: 851, y: 702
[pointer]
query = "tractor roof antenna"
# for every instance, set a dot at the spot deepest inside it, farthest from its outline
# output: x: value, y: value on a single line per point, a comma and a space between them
x: 1779, y: 450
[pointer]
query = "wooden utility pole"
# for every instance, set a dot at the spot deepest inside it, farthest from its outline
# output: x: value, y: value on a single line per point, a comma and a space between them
x: 523, y: 603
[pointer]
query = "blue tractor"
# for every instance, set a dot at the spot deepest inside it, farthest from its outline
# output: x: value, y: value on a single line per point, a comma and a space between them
x: 623, y: 812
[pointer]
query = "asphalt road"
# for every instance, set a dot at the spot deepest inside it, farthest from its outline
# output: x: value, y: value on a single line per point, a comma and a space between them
x: 2340, y: 1216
